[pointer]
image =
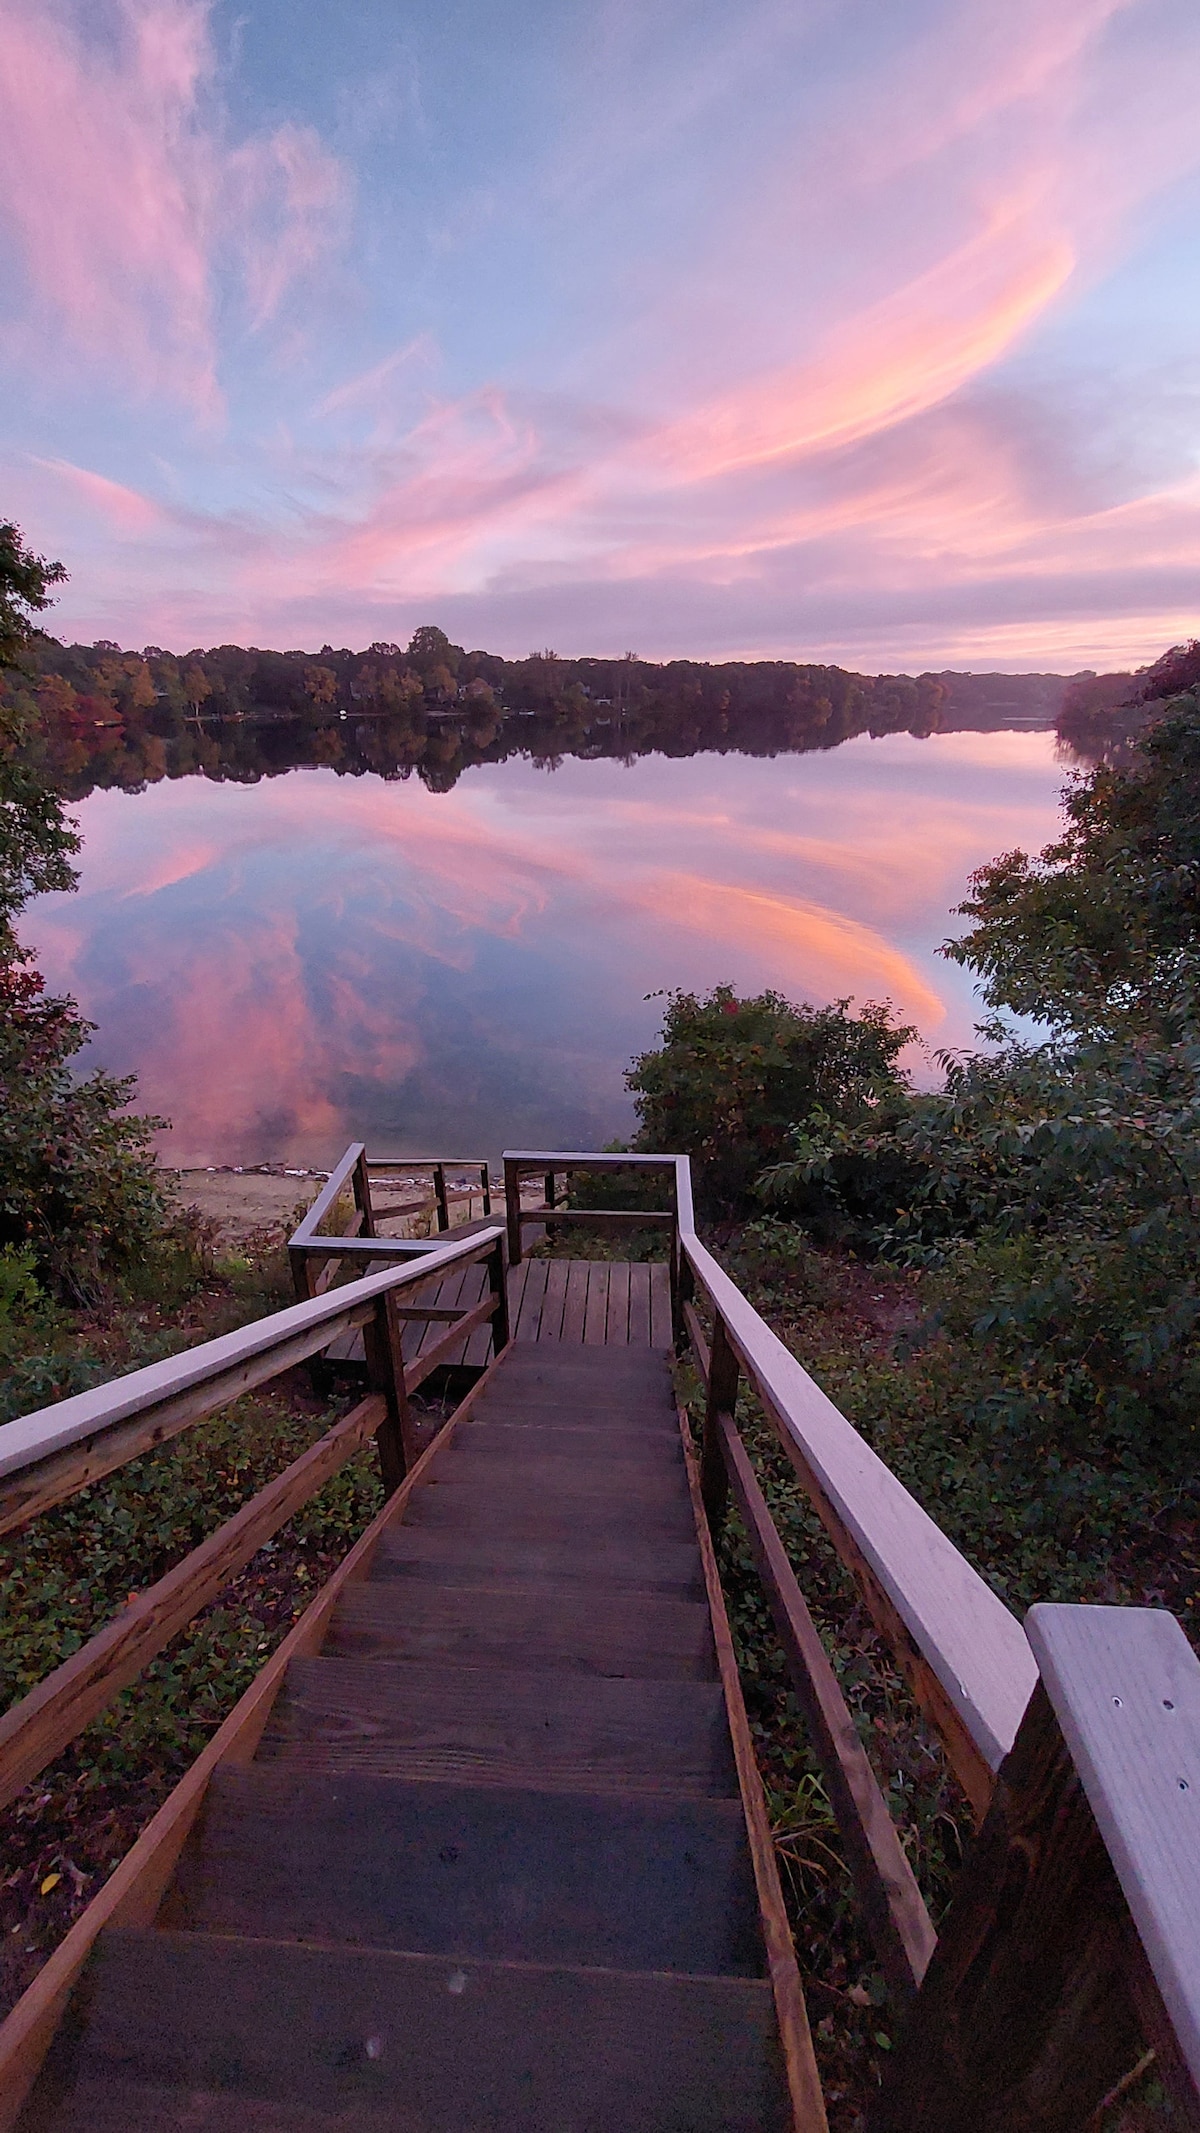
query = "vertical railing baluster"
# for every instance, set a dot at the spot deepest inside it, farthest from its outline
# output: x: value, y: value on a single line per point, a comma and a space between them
x: 396, y: 1437
x: 439, y: 1194
x: 512, y: 1202
x: 486, y: 1182
x: 722, y: 1400
x: 498, y: 1274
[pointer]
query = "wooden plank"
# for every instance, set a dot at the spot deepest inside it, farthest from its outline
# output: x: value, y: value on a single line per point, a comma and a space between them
x: 639, y: 1305
x: 229, y: 2036
x: 660, y: 1306
x: 528, y: 1512
x: 965, y: 1655
x: 35, y: 1730
x: 1024, y: 2018
x: 575, y: 1307
x: 584, y: 1633
x: 601, y: 1217
x: 507, y: 1726
x: 616, y: 1882
x: 526, y: 1328
x: 555, y: 1159
x: 629, y: 1567
x: 134, y: 1890
x: 616, y: 1332
x: 596, y: 1317
x: 897, y: 1919
x: 1124, y: 1684
x: 804, y: 2082
x: 554, y: 1301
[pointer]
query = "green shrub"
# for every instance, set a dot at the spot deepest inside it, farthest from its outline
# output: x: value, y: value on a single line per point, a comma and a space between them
x: 731, y: 1078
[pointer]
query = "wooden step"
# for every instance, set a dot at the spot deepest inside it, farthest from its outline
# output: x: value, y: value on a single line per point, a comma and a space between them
x: 626, y: 1435
x: 501, y: 1443
x: 477, y: 1872
x: 194, y: 2033
x: 625, y: 1566
x: 502, y: 1726
x: 589, y: 1478
x: 524, y: 1508
x: 590, y: 1633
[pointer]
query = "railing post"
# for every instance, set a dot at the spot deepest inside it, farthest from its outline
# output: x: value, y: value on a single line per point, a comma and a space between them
x: 485, y: 1181
x: 498, y: 1273
x: 1073, y: 1938
x: 722, y: 1400
x: 512, y: 1202
x: 395, y: 1437
x: 439, y: 1194
x: 362, y: 1195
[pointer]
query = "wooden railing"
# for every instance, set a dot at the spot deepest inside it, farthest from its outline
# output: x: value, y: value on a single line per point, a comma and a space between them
x: 1072, y: 1945
x: 48, y: 1456
x: 313, y: 1269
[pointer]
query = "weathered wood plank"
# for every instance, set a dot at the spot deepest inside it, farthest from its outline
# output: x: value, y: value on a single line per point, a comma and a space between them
x: 575, y: 1308
x: 639, y: 1305
x: 596, y: 1319
x: 526, y: 1328
x: 228, y: 2036
x: 35, y: 1730
x: 614, y: 1882
x: 548, y: 1731
x: 616, y: 1332
x: 554, y: 1302
x: 660, y: 1306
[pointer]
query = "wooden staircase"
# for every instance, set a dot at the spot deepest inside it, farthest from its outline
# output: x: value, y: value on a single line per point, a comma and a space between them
x: 490, y: 1866
x: 483, y: 1847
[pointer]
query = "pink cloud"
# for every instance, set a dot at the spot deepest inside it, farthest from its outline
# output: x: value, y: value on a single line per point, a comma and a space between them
x: 122, y: 195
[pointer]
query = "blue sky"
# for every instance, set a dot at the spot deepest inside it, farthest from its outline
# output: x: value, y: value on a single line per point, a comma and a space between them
x: 854, y: 329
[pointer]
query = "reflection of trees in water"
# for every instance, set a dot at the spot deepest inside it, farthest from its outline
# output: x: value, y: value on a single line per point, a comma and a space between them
x: 104, y: 717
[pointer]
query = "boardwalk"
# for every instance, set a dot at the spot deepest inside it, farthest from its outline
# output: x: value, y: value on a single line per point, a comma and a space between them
x: 488, y: 1866
x: 601, y: 1303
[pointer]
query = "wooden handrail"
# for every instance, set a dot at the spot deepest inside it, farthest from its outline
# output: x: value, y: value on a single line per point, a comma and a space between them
x: 965, y: 1654
x: 47, y: 1455
x: 330, y: 1193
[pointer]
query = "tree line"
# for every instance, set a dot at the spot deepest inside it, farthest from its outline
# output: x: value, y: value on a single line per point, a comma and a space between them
x: 95, y: 715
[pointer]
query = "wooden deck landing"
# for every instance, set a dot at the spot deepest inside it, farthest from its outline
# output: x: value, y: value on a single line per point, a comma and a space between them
x: 599, y: 1303
x: 489, y: 1864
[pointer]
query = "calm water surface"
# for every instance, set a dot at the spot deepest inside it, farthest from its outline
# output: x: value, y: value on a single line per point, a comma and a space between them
x: 312, y: 958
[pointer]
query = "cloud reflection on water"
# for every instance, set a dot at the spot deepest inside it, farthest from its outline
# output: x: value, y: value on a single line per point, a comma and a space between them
x: 310, y: 958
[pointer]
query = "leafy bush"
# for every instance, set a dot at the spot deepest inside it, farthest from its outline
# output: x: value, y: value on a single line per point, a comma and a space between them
x: 732, y: 1077
x: 79, y: 1186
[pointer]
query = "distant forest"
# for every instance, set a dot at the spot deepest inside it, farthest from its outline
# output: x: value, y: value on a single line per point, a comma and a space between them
x: 99, y: 716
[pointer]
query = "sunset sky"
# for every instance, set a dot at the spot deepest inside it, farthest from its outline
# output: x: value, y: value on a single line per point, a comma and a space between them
x: 852, y: 329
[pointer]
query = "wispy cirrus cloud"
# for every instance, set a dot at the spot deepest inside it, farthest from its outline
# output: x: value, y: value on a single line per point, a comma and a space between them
x: 124, y: 198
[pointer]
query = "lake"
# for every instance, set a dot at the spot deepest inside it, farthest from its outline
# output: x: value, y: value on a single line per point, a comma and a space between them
x: 295, y: 962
